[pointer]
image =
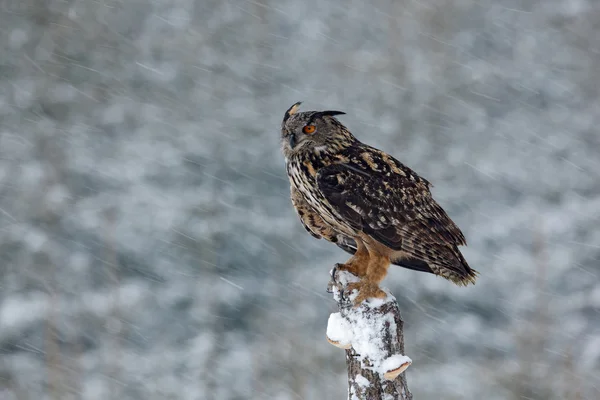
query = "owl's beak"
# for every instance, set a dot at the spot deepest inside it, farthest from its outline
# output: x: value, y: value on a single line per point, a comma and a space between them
x: 292, y: 140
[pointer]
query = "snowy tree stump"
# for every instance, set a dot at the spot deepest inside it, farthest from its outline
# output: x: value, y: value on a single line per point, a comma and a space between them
x: 372, y: 335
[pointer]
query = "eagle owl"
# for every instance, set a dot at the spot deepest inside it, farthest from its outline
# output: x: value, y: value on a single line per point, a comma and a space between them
x: 368, y: 203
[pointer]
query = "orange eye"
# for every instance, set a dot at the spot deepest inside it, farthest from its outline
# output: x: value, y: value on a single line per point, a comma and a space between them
x: 309, y: 129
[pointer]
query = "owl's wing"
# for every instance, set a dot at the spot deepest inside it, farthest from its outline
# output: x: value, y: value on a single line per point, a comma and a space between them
x: 390, y: 207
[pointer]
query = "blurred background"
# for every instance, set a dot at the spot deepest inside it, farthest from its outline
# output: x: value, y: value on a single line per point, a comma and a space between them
x: 148, y: 246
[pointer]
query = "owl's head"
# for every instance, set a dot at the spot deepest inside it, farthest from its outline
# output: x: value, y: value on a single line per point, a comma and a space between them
x: 310, y: 130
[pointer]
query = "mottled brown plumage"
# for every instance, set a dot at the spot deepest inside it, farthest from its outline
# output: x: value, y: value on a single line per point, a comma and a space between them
x: 368, y: 203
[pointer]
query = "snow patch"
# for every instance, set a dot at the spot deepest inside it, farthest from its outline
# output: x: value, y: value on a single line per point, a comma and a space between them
x: 393, y: 362
x: 375, y: 302
x: 339, y: 330
x: 362, y: 381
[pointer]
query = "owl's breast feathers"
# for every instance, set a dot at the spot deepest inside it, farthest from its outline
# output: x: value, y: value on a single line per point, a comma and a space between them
x: 317, y: 215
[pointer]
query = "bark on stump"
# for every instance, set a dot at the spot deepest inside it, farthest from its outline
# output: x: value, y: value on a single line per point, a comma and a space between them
x: 372, y: 336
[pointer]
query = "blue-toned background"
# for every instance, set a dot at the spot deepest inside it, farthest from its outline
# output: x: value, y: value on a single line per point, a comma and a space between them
x: 148, y: 247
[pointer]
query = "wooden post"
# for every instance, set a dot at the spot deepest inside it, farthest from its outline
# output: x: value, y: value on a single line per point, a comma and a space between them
x: 372, y: 335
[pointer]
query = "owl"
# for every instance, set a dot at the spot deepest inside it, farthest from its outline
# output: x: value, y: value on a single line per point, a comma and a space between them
x: 368, y: 203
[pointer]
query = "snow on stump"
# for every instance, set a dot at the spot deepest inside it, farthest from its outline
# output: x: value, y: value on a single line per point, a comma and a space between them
x: 372, y: 335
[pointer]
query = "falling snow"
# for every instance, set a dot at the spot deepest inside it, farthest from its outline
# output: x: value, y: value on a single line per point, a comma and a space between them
x: 148, y: 245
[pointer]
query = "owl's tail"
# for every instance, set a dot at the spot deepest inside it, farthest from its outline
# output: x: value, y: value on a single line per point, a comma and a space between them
x: 463, y: 275
x: 468, y: 277
x: 442, y: 260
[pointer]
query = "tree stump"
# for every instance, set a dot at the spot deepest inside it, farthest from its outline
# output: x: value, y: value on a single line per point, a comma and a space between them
x: 372, y: 335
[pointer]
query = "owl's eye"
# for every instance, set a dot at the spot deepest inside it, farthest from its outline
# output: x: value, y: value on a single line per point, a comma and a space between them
x: 309, y: 129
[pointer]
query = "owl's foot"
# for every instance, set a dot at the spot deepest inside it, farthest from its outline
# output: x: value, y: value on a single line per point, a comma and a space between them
x: 366, y: 290
x: 352, y: 268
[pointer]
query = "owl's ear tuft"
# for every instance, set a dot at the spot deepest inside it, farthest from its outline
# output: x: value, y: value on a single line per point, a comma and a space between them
x: 291, y: 111
x: 326, y: 113
x: 331, y: 113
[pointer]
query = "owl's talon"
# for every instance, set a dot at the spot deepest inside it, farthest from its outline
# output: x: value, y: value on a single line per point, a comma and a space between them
x: 345, y: 301
x: 335, y: 270
x: 345, y: 267
x: 366, y: 290
x: 346, y: 305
